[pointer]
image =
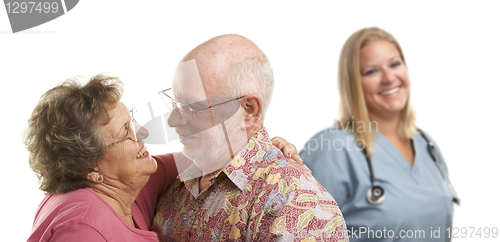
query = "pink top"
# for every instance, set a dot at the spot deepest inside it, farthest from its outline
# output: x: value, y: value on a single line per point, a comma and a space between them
x: 82, y: 215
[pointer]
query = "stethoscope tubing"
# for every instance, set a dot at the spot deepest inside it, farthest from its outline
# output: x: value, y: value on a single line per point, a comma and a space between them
x: 376, y: 193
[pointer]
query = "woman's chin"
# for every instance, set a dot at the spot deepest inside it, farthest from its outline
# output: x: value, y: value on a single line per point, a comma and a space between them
x: 149, y: 163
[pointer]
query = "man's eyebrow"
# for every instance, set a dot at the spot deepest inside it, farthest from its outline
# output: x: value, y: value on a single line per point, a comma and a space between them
x: 199, y: 104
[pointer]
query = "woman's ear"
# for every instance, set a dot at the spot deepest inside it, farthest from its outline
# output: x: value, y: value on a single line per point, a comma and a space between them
x: 95, y: 177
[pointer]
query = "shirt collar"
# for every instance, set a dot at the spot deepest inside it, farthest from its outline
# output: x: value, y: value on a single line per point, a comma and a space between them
x: 239, y: 169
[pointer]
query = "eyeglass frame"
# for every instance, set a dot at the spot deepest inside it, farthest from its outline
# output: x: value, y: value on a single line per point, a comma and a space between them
x: 128, y: 137
x: 191, y: 109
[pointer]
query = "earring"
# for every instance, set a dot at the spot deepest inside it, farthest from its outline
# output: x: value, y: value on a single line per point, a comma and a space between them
x: 100, y: 178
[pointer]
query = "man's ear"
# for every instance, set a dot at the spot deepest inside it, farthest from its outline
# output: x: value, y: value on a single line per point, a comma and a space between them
x: 252, y: 109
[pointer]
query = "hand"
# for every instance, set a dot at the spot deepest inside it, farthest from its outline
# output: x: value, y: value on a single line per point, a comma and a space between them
x: 289, y: 150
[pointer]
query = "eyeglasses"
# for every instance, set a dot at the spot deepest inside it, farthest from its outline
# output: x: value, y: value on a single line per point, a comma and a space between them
x: 130, y: 127
x: 186, y: 111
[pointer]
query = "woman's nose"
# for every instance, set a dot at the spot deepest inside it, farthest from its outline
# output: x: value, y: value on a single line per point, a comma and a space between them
x: 176, y: 119
x: 389, y: 76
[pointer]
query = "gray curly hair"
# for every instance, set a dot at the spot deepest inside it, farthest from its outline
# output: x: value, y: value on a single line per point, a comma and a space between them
x: 63, y: 136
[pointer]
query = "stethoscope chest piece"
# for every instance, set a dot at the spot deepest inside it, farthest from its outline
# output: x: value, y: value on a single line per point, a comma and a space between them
x: 375, y: 195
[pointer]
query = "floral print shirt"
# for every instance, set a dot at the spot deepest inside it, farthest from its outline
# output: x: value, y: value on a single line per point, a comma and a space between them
x: 259, y: 196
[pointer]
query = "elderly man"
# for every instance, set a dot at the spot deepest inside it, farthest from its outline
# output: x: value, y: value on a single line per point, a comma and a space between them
x: 239, y: 187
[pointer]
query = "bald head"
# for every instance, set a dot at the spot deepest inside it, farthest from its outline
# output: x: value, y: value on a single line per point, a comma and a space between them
x: 216, y: 57
x: 231, y: 66
x: 225, y: 48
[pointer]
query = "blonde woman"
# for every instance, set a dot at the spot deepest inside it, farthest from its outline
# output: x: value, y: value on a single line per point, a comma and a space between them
x: 388, y: 177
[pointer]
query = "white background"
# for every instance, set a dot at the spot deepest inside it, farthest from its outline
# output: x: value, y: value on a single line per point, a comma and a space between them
x: 451, y: 47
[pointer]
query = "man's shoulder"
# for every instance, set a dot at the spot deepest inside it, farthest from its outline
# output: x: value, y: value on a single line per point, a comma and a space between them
x: 263, y: 165
x: 289, y: 172
x: 294, y: 197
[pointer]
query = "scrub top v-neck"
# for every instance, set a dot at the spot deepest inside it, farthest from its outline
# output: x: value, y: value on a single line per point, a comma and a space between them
x: 417, y: 202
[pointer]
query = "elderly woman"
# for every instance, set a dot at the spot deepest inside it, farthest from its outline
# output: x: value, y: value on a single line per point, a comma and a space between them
x: 388, y: 177
x: 89, y: 156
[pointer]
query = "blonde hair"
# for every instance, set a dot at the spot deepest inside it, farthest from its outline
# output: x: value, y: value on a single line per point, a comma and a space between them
x: 353, y: 109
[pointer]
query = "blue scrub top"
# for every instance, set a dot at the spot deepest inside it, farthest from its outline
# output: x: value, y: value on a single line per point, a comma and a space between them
x: 418, y: 203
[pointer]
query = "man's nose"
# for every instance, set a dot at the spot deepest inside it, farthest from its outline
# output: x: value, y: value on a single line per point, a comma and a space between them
x: 176, y: 119
x: 141, y: 133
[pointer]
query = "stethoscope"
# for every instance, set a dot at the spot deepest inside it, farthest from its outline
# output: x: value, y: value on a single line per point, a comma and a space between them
x: 376, y: 194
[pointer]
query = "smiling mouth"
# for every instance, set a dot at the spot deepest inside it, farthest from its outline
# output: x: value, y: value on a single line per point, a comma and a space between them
x: 389, y: 92
x: 141, y: 153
